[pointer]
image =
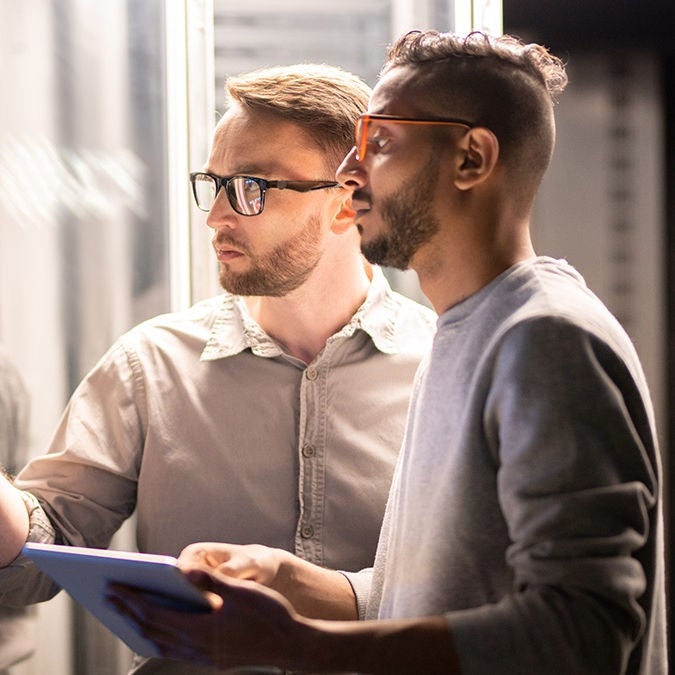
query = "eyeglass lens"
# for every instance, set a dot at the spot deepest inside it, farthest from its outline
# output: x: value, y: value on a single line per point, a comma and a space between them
x: 361, y: 137
x: 362, y: 124
x: 244, y: 194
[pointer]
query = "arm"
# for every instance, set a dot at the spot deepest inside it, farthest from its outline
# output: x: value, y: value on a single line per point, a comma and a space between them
x: 13, y: 522
x: 313, y: 591
x: 253, y: 625
x: 86, y: 481
x: 84, y: 484
x: 578, y: 487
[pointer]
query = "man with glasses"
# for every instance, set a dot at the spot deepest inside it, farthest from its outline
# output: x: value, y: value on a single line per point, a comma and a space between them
x: 523, y: 532
x: 273, y: 413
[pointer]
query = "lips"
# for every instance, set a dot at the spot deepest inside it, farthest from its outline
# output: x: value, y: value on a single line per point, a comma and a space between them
x: 227, y: 255
x: 360, y: 203
x: 360, y: 209
x: 226, y: 252
x: 360, y: 212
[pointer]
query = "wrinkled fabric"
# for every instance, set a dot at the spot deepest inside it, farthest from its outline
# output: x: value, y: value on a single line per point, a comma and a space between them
x: 17, y: 626
x: 201, y: 422
x: 527, y: 502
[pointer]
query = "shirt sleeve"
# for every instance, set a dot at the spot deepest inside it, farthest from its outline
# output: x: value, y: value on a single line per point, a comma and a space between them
x: 86, y: 482
x: 569, y: 422
x: 21, y: 581
x: 360, y: 583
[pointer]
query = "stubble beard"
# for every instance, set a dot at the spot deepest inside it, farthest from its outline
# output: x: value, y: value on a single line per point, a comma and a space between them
x: 409, y: 221
x: 280, y: 271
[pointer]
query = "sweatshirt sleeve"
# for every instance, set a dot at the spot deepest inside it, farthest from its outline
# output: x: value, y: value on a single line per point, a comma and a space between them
x: 360, y: 583
x: 569, y: 422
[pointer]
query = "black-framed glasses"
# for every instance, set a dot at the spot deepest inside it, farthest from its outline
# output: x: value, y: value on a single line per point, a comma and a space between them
x: 246, y: 194
x: 363, y: 124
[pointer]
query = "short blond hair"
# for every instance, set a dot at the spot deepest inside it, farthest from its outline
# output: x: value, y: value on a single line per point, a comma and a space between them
x: 325, y: 100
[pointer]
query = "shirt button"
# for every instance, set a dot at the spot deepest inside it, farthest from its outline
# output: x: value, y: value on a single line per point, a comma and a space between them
x: 312, y: 373
x: 307, y: 531
x: 308, y: 451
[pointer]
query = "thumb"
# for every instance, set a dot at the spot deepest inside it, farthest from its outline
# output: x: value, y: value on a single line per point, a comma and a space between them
x: 210, y: 587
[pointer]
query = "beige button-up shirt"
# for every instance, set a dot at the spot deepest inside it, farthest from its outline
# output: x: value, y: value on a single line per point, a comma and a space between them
x: 200, y: 422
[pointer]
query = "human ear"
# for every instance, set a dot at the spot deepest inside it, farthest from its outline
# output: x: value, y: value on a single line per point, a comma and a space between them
x: 344, y: 218
x: 478, y: 156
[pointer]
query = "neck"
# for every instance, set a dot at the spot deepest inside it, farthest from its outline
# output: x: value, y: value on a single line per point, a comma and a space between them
x: 302, y: 321
x: 450, y: 271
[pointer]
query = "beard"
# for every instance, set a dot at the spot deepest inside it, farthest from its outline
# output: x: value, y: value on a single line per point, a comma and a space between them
x: 408, y: 218
x: 280, y: 271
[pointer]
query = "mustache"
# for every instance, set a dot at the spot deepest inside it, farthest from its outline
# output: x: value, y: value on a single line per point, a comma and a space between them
x: 360, y: 196
x: 223, y: 241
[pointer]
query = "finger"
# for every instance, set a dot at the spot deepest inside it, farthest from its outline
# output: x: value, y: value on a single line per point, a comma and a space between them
x: 179, y: 644
x: 232, y: 593
x: 137, y: 616
x: 233, y: 561
x: 125, y: 609
x: 254, y: 562
x: 209, y: 554
x: 164, y: 628
x: 127, y: 601
x: 240, y: 568
x: 139, y: 606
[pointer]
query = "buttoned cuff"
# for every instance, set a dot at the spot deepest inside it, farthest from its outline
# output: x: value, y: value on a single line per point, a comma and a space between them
x: 40, y: 528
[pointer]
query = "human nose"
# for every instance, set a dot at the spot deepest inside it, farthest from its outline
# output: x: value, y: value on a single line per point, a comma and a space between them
x: 351, y: 173
x: 221, y: 213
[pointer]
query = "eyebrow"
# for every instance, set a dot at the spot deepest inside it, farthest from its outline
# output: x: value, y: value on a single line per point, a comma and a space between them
x: 243, y: 170
x: 257, y: 171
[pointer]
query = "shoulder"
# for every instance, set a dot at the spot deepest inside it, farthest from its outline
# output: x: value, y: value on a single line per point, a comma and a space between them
x: 181, y: 333
x: 548, y: 300
x: 195, y: 321
x: 538, y: 316
x: 555, y: 328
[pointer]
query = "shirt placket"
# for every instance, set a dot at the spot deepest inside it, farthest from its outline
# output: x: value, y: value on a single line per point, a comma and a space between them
x: 312, y: 461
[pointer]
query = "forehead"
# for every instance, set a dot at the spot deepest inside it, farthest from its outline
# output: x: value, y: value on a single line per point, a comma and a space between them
x: 404, y: 91
x: 251, y: 141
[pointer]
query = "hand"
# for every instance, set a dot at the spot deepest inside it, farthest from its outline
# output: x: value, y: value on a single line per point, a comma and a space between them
x: 251, y: 625
x: 313, y: 591
x: 253, y: 562
x: 248, y: 625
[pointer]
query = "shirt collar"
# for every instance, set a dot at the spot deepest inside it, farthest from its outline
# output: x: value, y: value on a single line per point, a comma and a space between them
x: 234, y: 330
x: 377, y: 315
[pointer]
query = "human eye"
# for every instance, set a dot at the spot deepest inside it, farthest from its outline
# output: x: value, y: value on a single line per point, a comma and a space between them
x: 378, y: 140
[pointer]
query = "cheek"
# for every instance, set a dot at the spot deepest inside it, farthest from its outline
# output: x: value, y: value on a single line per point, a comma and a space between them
x: 383, y: 183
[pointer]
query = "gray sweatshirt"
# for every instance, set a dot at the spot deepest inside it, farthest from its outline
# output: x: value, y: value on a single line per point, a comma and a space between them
x: 526, y: 504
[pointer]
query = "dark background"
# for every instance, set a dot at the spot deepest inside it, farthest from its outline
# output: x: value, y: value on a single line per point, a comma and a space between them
x: 611, y: 24
x: 569, y: 26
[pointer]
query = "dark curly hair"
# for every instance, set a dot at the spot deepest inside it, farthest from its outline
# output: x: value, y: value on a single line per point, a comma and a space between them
x: 497, y: 82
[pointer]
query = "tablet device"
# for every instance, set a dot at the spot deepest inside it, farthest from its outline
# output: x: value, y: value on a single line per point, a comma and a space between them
x: 86, y: 572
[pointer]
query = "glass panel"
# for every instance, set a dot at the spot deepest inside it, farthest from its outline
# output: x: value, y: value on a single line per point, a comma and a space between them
x: 351, y: 34
x: 83, y: 213
x: 83, y: 243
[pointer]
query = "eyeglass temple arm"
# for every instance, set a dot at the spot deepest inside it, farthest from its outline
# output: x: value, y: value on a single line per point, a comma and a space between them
x: 302, y: 186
